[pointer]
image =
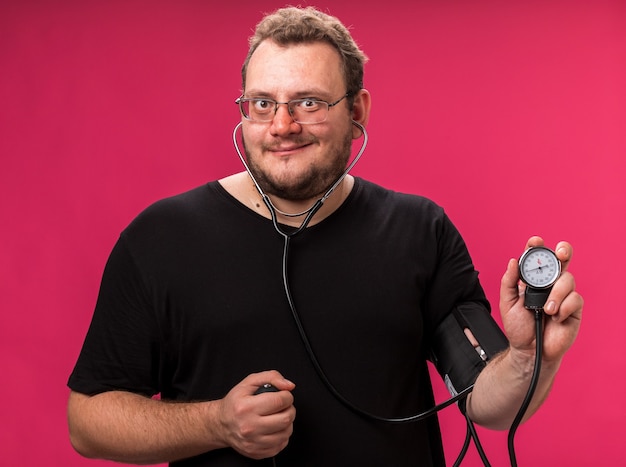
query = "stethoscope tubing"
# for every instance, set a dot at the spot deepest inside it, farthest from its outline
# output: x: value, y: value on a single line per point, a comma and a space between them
x: 310, y: 212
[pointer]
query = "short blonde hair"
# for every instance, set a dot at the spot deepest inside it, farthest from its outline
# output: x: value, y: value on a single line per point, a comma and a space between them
x: 294, y: 25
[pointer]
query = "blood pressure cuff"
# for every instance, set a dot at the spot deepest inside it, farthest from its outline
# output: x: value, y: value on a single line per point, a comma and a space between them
x: 458, y: 362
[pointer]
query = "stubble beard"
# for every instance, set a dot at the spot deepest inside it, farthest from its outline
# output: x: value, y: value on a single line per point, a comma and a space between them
x: 311, y: 183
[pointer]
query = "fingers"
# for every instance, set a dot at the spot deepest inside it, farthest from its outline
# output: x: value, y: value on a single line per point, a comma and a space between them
x: 267, y: 404
x: 564, y: 305
x: 534, y: 241
x: 564, y: 301
x: 563, y: 250
x: 563, y: 291
x: 270, y: 403
x: 564, y: 253
x: 273, y: 401
x: 259, y: 426
x: 509, y: 290
x: 270, y: 434
x: 273, y: 377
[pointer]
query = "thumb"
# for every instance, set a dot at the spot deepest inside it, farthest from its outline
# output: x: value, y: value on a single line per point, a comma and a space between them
x: 509, y: 289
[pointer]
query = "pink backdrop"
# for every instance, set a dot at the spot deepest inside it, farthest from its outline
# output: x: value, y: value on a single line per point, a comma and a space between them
x: 510, y: 114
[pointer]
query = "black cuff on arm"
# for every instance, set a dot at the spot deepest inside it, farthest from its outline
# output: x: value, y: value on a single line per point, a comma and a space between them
x: 455, y: 358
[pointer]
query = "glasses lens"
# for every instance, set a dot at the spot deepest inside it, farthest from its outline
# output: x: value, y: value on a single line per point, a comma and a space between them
x: 301, y: 110
x: 308, y: 110
x: 259, y: 110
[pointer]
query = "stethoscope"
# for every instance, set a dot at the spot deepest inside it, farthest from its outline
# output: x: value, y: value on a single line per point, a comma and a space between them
x: 310, y: 212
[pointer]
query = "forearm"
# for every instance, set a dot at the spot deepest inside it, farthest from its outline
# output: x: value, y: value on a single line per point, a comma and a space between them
x: 501, y: 387
x: 130, y: 428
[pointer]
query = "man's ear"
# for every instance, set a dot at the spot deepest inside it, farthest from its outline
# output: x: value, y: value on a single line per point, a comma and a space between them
x: 361, y: 110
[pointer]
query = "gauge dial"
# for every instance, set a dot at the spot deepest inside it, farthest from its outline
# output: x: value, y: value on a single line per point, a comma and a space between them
x: 539, y: 267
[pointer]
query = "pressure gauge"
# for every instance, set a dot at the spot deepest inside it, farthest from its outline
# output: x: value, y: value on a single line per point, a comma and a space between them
x: 539, y: 269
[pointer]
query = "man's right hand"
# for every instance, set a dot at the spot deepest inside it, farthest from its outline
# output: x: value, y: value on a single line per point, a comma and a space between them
x: 258, y: 426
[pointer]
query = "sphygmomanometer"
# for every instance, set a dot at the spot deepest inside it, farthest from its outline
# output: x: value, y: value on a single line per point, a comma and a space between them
x: 462, y: 343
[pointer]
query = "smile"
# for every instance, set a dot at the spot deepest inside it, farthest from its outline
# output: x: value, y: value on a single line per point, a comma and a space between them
x: 287, y: 150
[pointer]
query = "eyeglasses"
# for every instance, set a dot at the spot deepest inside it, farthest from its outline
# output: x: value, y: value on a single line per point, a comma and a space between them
x: 303, y: 111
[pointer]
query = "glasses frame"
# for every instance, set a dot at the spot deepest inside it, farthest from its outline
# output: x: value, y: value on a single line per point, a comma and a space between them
x: 240, y: 101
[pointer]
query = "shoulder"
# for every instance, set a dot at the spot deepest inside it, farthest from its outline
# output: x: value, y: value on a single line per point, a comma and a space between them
x: 398, y: 214
x: 174, y: 212
x: 379, y: 198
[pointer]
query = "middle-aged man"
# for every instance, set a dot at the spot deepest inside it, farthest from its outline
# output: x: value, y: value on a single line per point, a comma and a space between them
x: 293, y: 274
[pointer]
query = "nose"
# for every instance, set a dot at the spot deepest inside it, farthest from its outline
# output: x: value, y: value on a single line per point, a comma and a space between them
x: 283, y: 122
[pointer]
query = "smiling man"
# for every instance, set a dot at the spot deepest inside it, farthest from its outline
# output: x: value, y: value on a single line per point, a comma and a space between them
x: 298, y: 108
x: 297, y: 277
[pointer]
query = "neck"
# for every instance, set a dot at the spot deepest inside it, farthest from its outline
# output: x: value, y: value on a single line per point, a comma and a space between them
x: 241, y: 187
x: 292, y: 212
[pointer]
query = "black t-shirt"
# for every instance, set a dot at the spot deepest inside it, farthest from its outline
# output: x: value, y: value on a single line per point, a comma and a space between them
x: 192, y: 301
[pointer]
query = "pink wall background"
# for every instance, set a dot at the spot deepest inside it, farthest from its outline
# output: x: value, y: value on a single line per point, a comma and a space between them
x: 489, y: 108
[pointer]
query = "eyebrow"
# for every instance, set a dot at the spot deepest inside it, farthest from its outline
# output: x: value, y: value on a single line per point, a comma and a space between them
x: 311, y: 92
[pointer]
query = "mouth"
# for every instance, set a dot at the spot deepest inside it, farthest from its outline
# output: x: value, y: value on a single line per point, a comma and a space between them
x: 288, y: 150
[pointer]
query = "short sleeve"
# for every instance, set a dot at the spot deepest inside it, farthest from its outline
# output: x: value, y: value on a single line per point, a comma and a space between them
x: 121, y: 350
x: 457, y: 301
x: 455, y: 280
